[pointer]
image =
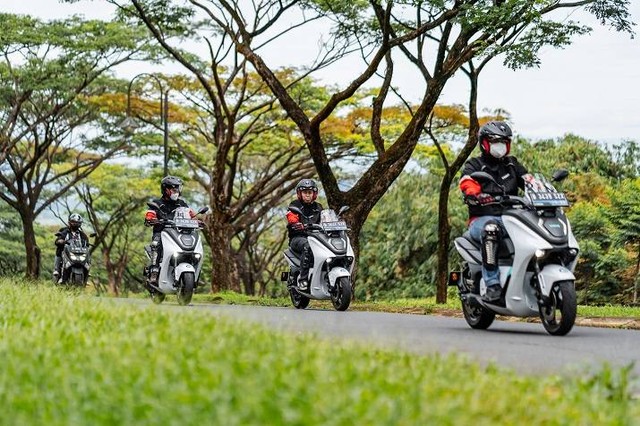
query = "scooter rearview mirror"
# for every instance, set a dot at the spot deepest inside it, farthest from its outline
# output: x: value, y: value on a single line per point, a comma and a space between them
x: 559, y: 175
x: 296, y: 210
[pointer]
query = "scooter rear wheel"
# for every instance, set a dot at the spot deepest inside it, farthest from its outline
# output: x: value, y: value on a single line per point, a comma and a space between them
x: 476, y: 316
x: 299, y: 301
x: 157, y: 297
x: 559, y: 315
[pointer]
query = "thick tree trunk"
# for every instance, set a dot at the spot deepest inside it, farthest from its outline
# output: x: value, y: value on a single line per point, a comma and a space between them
x: 31, y: 248
x: 225, y: 274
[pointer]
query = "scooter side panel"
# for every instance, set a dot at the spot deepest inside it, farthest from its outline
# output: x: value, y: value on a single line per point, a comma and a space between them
x: 520, y: 298
x: 318, y: 288
x: 551, y: 274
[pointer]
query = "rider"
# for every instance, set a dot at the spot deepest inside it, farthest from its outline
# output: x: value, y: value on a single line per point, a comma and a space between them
x: 171, y: 189
x: 307, y: 192
x: 72, y: 231
x: 485, y: 222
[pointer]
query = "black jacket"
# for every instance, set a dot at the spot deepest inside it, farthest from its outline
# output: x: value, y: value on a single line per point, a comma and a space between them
x: 167, y: 207
x: 65, y: 234
x: 507, y: 171
x: 311, y: 215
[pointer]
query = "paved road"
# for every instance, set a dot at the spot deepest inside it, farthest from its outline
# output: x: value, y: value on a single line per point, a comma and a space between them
x: 525, y: 347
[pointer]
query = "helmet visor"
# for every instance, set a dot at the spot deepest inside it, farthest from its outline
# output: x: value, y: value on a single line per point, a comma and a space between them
x: 498, y: 139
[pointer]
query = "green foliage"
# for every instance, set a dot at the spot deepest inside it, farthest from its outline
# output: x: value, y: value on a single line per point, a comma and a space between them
x: 74, y: 360
x: 399, y: 239
x: 12, y: 260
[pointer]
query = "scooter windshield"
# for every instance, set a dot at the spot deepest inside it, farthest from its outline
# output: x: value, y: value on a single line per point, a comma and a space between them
x: 182, y: 218
x: 330, y: 222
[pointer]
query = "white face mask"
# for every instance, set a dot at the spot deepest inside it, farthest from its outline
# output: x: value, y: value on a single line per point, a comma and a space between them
x: 498, y: 150
x: 174, y: 196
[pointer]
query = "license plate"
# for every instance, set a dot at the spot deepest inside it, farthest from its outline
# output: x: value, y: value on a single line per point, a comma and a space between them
x: 548, y: 199
x: 339, y: 225
x: 186, y: 223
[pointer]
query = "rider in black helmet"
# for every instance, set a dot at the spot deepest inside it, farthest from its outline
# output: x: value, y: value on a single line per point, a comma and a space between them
x: 171, y: 189
x: 73, y: 230
x: 306, y: 192
x: 485, y: 222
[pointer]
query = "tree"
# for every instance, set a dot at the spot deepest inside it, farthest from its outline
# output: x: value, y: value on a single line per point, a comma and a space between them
x: 114, y: 198
x: 625, y: 216
x: 50, y: 133
x: 455, y: 31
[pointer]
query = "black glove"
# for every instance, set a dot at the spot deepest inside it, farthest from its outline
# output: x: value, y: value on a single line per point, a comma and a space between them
x: 480, y: 199
x: 297, y: 226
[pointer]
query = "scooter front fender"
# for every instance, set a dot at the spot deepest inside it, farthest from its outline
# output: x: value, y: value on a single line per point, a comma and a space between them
x: 181, y: 269
x: 336, y: 273
x: 551, y: 274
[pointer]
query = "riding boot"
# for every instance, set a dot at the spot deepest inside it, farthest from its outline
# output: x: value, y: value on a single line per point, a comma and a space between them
x: 57, y: 264
x: 305, y: 263
x: 153, y: 267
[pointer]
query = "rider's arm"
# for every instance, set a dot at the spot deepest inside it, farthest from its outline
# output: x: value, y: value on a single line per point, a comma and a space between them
x: 293, y: 222
x: 61, y: 237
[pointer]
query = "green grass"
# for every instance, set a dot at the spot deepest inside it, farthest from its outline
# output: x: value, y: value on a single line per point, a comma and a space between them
x: 74, y: 360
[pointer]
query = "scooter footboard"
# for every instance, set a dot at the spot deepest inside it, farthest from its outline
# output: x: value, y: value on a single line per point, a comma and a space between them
x: 551, y: 274
x: 336, y: 273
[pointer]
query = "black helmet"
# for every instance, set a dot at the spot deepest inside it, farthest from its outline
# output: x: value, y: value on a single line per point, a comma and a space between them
x: 75, y: 221
x: 306, y: 184
x: 494, y: 132
x: 170, y: 182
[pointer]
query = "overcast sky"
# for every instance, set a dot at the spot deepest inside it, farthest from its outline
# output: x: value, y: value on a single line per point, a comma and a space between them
x: 592, y: 88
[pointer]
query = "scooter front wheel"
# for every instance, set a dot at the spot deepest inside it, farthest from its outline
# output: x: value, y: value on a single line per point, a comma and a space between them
x: 342, y: 296
x: 186, y: 287
x: 77, y: 279
x: 559, y: 314
x: 477, y: 316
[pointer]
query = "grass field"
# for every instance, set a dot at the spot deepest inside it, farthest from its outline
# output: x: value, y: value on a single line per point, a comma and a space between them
x: 71, y: 359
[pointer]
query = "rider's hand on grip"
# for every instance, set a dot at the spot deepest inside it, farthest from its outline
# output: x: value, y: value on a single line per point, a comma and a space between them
x: 484, y: 198
x: 297, y: 226
x: 480, y: 199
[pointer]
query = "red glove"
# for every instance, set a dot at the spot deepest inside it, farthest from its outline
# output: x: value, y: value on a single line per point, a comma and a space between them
x: 297, y: 226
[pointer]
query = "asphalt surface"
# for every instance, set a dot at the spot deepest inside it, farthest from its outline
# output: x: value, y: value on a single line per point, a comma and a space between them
x: 524, y: 347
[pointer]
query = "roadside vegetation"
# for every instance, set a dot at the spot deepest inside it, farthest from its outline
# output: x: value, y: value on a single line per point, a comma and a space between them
x: 73, y: 359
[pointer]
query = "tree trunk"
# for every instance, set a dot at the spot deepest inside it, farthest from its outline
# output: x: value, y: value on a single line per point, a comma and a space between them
x: 31, y: 247
x: 444, y: 235
x: 224, y: 271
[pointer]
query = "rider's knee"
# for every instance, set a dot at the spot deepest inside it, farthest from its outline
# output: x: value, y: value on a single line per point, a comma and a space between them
x: 491, y: 231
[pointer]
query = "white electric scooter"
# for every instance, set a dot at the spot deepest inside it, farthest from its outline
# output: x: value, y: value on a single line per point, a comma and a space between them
x: 181, y: 257
x: 536, y: 261
x: 330, y: 276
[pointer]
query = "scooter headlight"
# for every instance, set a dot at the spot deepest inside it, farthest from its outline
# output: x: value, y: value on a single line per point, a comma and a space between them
x: 540, y: 253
